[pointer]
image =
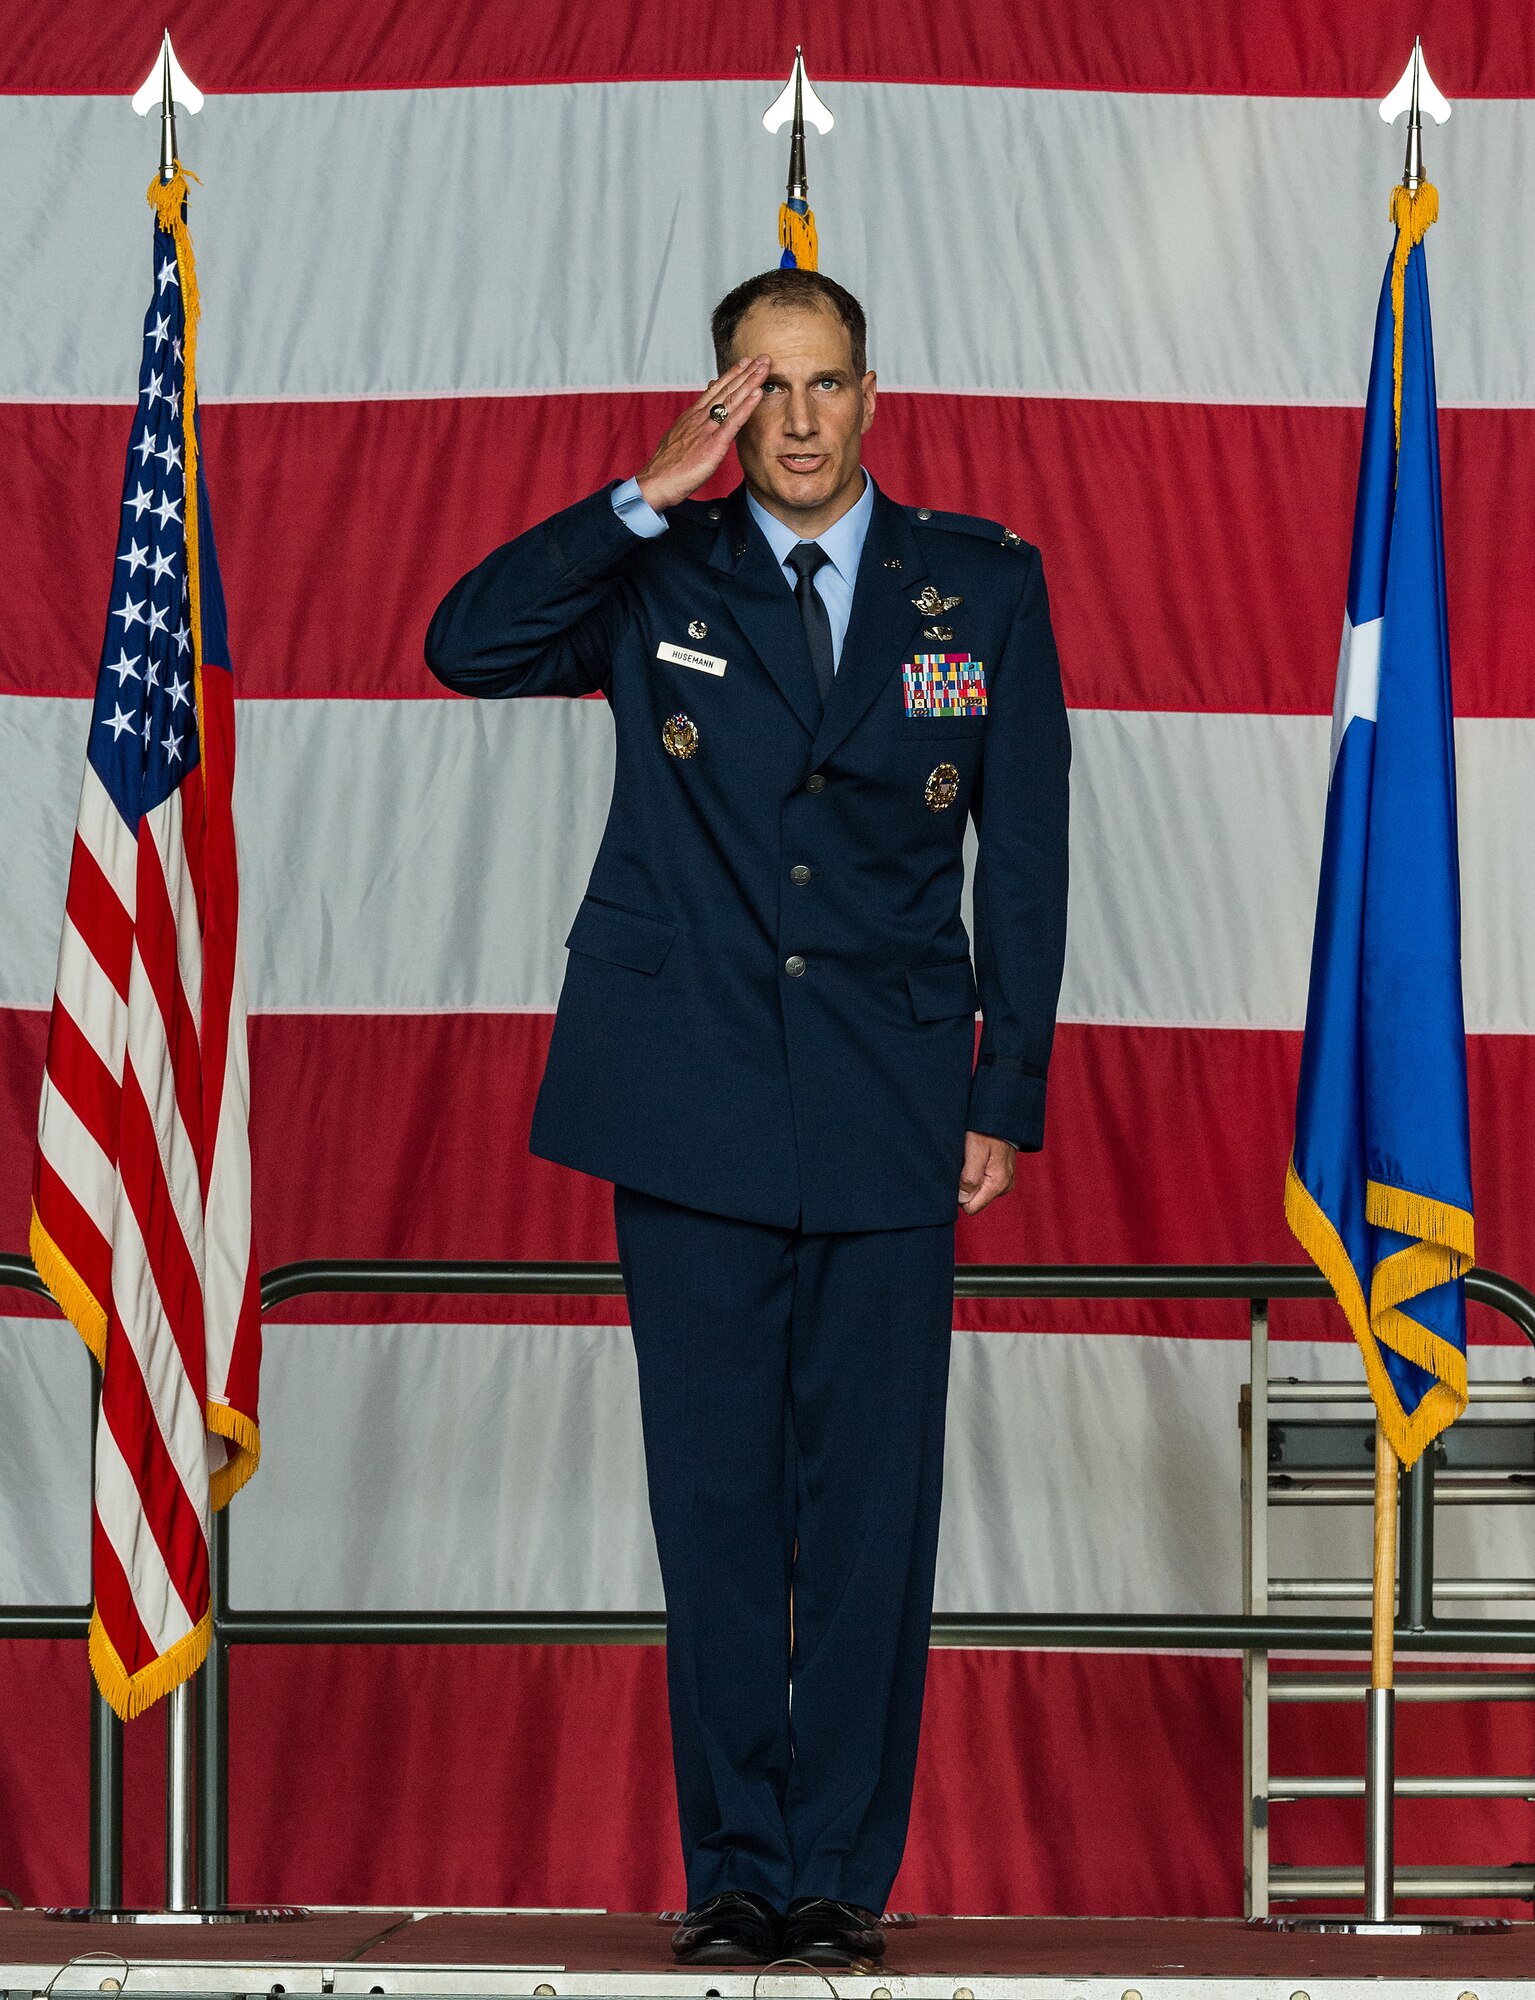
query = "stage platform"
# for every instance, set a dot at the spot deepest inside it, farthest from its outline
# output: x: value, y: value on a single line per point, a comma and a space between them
x: 590, y: 1953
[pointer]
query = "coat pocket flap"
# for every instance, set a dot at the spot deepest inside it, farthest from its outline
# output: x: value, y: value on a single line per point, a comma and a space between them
x: 939, y: 991
x: 621, y: 937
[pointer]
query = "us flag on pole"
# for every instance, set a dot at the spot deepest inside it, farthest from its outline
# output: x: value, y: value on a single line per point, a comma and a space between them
x: 141, y: 1223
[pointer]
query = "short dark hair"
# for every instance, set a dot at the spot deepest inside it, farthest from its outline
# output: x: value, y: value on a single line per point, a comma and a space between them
x: 789, y: 287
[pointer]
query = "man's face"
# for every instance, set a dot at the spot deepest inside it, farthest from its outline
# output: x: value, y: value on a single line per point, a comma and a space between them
x: 800, y: 447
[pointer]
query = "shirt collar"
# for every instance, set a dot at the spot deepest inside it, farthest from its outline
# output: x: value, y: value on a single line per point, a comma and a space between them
x: 843, y: 541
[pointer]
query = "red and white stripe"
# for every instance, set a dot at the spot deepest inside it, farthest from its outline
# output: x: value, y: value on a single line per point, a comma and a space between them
x: 142, y: 1201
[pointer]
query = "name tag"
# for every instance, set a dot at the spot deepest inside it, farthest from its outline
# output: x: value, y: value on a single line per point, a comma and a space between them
x: 680, y: 656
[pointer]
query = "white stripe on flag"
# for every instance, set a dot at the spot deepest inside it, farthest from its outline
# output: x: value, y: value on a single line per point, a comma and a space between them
x: 75, y: 1157
x: 149, y: 1059
x: 1056, y: 279
x: 120, y: 1511
x: 227, y: 1247
x: 371, y: 885
x: 92, y: 1002
x: 164, y: 824
x: 106, y: 834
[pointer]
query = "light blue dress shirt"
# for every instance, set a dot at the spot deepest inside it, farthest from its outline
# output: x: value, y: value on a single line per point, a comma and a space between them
x: 843, y: 543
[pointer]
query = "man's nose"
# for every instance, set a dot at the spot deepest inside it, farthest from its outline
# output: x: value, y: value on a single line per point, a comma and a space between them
x: 799, y: 418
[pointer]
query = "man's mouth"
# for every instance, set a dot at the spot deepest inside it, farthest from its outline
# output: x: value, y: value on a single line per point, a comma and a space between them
x: 802, y: 461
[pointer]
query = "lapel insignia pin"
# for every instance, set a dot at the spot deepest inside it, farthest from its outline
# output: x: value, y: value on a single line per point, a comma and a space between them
x: 680, y: 735
x: 697, y: 629
x: 892, y: 562
x: 942, y: 787
x: 932, y: 603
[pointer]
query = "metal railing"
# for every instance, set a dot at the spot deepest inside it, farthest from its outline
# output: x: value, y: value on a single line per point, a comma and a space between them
x: 1252, y: 1284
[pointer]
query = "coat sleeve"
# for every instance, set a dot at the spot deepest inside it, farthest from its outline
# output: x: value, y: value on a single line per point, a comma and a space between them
x: 1020, y: 877
x: 541, y: 614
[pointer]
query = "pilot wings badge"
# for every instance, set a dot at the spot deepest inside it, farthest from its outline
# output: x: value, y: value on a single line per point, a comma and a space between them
x: 932, y: 603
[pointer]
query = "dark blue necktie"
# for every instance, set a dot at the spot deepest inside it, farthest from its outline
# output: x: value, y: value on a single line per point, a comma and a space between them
x: 805, y: 559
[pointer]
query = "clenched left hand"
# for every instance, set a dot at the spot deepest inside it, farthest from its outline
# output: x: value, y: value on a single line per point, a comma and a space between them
x: 987, y: 1172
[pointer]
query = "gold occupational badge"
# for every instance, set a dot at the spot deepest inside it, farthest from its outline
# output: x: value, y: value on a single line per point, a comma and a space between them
x: 942, y: 787
x: 680, y: 735
x: 932, y: 603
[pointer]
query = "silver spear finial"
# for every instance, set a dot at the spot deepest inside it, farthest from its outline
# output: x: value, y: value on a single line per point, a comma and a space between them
x: 1415, y: 92
x: 167, y: 85
x: 796, y: 102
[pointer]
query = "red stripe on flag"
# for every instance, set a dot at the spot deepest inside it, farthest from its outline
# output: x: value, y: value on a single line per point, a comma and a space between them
x: 84, y: 1080
x: 114, y: 1603
x: 1157, y: 521
x: 1304, y: 47
x: 217, y: 864
x: 94, y: 908
x: 414, y: 1135
x: 147, y: 1190
x: 79, y: 1241
x: 168, y: 1514
x: 158, y: 947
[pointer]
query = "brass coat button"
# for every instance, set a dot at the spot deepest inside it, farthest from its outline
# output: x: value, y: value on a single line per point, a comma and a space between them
x: 799, y: 872
x: 794, y: 966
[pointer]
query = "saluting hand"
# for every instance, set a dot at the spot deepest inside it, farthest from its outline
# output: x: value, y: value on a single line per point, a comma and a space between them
x: 693, y: 450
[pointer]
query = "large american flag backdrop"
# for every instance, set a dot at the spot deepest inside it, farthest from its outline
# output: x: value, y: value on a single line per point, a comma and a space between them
x: 456, y: 261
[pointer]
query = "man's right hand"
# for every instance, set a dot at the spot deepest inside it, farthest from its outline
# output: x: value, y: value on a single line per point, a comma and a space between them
x: 693, y: 450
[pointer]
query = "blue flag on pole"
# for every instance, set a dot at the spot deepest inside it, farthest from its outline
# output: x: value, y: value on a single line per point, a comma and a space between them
x: 1379, y: 1186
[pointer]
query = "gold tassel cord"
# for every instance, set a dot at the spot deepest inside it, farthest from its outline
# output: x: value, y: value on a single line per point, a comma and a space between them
x: 167, y: 199
x: 796, y: 233
x: 1414, y: 212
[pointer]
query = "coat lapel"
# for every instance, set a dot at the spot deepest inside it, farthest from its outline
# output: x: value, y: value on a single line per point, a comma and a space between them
x: 884, y: 625
x: 762, y: 604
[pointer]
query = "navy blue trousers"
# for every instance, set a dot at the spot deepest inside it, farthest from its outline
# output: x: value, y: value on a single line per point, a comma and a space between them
x: 792, y: 1393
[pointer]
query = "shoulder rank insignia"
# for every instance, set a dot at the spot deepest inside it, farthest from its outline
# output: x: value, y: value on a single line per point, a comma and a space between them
x: 932, y: 603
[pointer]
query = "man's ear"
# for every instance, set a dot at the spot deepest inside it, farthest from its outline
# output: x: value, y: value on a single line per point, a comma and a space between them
x: 870, y: 387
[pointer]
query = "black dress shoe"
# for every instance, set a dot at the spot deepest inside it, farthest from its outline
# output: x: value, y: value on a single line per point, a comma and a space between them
x: 822, y: 1931
x: 732, y: 1928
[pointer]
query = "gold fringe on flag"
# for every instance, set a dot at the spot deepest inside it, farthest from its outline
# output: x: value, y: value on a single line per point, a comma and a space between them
x: 128, y: 1695
x: 1414, y: 213
x: 1379, y: 1323
x: 796, y: 233
x: 73, y: 1296
x: 245, y: 1437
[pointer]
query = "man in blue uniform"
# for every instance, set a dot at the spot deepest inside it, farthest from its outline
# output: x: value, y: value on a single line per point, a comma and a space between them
x: 766, y: 1041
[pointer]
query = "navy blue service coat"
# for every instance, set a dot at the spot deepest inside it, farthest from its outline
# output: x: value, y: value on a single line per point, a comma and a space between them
x: 769, y: 1005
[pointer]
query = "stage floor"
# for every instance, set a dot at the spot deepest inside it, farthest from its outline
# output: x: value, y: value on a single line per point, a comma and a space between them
x: 464, y: 1953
